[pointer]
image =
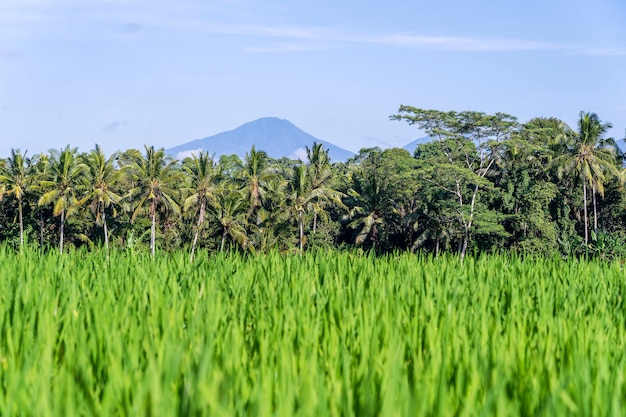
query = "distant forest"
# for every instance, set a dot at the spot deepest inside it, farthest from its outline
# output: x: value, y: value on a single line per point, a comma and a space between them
x: 485, y: 183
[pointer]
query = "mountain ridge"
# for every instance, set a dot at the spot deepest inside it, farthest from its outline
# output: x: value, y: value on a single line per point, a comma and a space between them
x: 415, y: 143
x: 278, y: 137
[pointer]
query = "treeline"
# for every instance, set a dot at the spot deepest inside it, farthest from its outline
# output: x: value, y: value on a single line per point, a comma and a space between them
x: 485, y: 183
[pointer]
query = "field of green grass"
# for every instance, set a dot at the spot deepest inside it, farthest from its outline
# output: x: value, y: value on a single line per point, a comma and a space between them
x: 331, y: 333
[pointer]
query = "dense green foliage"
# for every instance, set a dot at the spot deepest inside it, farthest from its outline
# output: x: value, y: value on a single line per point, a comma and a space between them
x: 328, y: 333
x: 485, y: 183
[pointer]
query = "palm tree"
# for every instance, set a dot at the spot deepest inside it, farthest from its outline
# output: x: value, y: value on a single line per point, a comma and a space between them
x: 63, y: 186
x: 15, y: 177
x: 591, y: 157
x: 229, y: 209
x: 101, y: 177
x: 592, y: 131
x: 309, y: 190
x: 40, y: 172
x: 204, y: 176
x: 364, y: 219
x: 157, y: 179
x: 321, y: 178
x: 300, y: 195
x: 366, y: 196
x: 254, y: 175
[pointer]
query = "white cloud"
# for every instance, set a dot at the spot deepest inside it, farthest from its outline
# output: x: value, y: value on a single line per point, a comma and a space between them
x: 188, y: 154
x: 219, y: 18
x: 460, y: 43
x: 299, y: 153
x: 616, y: 51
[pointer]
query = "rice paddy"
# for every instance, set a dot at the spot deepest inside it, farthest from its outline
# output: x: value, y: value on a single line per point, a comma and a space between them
x: 328, y: 334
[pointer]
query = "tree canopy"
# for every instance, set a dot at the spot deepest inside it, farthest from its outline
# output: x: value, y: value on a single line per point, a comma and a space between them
x: 483, y: 183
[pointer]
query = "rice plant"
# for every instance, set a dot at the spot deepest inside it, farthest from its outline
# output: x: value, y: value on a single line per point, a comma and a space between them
x: 329, y: 333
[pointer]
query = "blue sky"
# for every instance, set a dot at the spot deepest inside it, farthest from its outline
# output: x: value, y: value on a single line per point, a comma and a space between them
x: 126, y: 73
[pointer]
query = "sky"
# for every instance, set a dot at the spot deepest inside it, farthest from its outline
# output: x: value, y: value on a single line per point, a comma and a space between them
x: 124, y: 74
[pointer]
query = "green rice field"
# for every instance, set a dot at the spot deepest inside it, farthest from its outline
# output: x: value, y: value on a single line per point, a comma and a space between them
x: 328, y: 334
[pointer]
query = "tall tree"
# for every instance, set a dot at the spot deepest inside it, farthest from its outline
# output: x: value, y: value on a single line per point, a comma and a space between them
x: 528, y: 189
x: 229, y: 209
x: 40, y: 172
x: 591, y: 158
x: 310, y: 191
x: 321, y: 177
x: 100, y: 180
x: 381, y: 192
x: 366, y: 200
x: 63, y: 186
x: 254, y: 175
x: 204, y: 175
x: 157, y: 186
x: 15, y: 178
x: 300, y: 195
x: 469, y: 142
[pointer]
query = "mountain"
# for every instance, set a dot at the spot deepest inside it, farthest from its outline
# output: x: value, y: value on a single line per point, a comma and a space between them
x: 278, y: 137
x: 414, y: 144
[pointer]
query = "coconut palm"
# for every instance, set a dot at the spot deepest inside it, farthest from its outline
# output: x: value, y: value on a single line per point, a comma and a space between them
x: 204, y: 175
x: 40, y: 172
x: 591, y: 158
x: 229, y: 209
x: 309, y: 192
x: 592, y: 131
x: 320, y: 175
x: 300, y: 195
x: 100, y: 180
x: 15, y: 178
x: 157, y: 181
x: 63, y: 186
x: 366, y: 196
x: 254, y: 175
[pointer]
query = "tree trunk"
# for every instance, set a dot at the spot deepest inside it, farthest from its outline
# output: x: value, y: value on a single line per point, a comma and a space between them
x: 193, y: 245
x: 374, y: 233
x: 21, y: 223
x: 585, y: 212
x: 223, y: 240
x: 62, y: 227
x: 106, y: 232
x: 470, y: 222
x: 468, y: 225
x: 463, y: 247
x: 301, y: 228
x: 195, y: 237
x: 152, y: 228
x: 40, y: 232
x: 595, y: 209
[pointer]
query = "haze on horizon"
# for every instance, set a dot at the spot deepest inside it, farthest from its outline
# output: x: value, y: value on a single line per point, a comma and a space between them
x: 163, y: 72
